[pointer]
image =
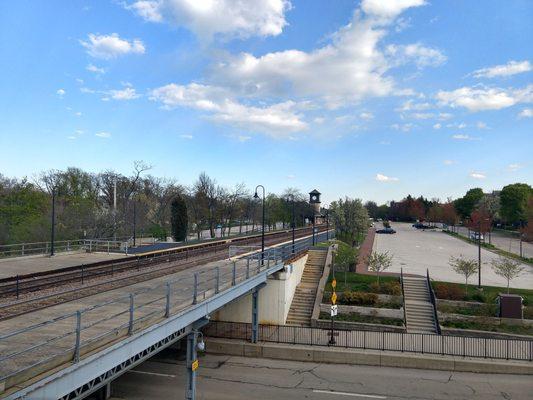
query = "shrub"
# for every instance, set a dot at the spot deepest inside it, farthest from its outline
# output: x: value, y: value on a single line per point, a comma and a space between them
x: 449, y: 291
x: 359, y: 298
x: 479, y: 296
x: 393, y: 288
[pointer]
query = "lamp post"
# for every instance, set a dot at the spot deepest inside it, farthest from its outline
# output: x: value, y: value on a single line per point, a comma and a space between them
x: 53, y: 232
x: 256, y: 196
x: 479, y: 253
x: 134, y: 221
x: 327, y: 223
x: 293, y: 223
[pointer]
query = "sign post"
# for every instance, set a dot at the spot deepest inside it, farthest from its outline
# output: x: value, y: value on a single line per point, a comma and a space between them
x: 333, y: 308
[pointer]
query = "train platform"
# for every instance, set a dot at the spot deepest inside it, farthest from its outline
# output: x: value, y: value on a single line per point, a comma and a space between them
x: 38, y: 263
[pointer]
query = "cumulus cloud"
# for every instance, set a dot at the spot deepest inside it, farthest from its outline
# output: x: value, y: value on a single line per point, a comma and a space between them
x: 420, y: 55
x: 188, y: 137
x: 366, y: 116
x: 449, y: 162
x: 61, y: 92
x: 226, y: 17
x: 385, y: 178
x: 410, y: 105
x: 95, y: 69
x: 477, y: 175
x: 483, y: 98
x: 437, y: 126
x: 526, y: 113
x: 511, y: 68
x: 111, y: 46
x: 462, y: 137
x: 389, y: 8
x: 277, y: 119
x: 127, y: 93
x: 103, y: 135
x: 514, y: 167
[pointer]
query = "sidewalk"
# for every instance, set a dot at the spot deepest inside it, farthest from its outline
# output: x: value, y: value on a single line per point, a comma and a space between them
x: 323, y: 354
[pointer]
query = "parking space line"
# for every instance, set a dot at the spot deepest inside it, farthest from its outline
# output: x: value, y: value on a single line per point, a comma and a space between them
x: 370, y: 396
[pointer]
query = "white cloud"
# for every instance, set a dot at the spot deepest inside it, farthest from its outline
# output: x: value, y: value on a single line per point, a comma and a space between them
x: 422, y: 115
x: 462, y: 137
x: 366, y: 116
x: 127, y: 93
x: 319, y: 120
x: 444, y: 116
x: 78, y: 114
x: 403, y: 127
x: 437, y: 126
x: 420, y: 55
x: 385, y: 178
x: 410, y: 105
x: 278, y: 119
x: 449, y: 162
x: 514, y: 167
x: 389, y: 8
x: 477, y: 175
x: 526, y: 113
x: 61, y: 92
x: 481, y: 125
x: 511, y: 68
x: 226, y: 17
x: 482, y: 98
x: 461, y: 125
x: 385, y: 143
x: 243, y: 138
x: 111, y: 46
x: 95, y: 69
x: 290, y: 176
x: 104, y: 135
x: 188, y: 137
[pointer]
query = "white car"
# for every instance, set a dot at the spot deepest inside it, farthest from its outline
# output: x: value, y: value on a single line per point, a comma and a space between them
x: 476, y: 236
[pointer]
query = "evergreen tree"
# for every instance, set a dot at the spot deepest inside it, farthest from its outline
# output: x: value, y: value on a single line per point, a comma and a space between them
x: 179, y: 219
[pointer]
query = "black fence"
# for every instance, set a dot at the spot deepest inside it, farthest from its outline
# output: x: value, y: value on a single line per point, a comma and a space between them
x: 462, y: 346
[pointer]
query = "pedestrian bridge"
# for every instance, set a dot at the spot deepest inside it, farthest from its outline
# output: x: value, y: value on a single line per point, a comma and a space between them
x: 81, y: 351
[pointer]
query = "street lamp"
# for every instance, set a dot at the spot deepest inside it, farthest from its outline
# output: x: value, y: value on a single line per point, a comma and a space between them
x: 256, y: 196
x: 293, y: 223
x: 327, y: 223
x: 479, y: 252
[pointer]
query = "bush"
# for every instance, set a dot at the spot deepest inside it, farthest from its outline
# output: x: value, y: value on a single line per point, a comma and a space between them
x: 359, y: 299
x: 449, y: 291
x: 479, y: 296
x: 392, y: 287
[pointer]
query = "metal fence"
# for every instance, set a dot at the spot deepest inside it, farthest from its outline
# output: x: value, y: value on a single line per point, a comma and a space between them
x: 60, y: 246
x: 462, y: 346
x: 56, y: 341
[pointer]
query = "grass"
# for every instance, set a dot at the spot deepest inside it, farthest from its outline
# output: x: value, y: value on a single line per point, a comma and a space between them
x: 356, y: 282
x: 367, y: 319
x: 485, y: 310
x: 479, y: 326
x: 489, y: 293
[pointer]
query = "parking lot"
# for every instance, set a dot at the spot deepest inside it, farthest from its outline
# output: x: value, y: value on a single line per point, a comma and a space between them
x: 417, y: 250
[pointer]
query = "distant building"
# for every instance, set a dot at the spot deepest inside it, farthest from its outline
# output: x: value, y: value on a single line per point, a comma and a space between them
x: 314, y: 200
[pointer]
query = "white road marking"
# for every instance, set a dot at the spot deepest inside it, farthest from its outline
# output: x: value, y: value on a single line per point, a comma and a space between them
x: 370, y: 396
x: 152, y: 373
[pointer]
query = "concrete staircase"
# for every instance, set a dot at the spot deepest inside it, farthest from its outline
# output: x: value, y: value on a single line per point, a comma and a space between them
x: 304, y: 296
x: 418, y: 308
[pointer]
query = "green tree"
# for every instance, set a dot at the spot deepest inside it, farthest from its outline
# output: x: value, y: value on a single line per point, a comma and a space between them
x: 466, y: 204
x: 513, y: 202
x: 379, y: 262
x: 350, y: 218
x: 507, y: 268
x: 179, y: 219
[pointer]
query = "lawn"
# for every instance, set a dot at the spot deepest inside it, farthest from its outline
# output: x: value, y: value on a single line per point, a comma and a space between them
x: 478, y: 326
x: 356, y: 282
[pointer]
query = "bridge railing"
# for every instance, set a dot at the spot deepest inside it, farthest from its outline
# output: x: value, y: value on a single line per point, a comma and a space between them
x: 38, y: 347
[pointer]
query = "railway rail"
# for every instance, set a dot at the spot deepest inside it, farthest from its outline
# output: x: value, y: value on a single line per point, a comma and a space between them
x: 44, y: 289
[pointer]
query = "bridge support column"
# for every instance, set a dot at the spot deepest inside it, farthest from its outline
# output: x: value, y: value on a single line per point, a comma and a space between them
x: 255, y: 316
x: 191, y: 369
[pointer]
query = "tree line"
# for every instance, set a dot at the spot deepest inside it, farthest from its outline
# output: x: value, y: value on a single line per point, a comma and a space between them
x: 104, y: 204
x: 511, y: 207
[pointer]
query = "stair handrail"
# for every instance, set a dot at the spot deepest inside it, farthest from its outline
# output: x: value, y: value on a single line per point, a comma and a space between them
x: 433, y: 301
x: 403, y: 298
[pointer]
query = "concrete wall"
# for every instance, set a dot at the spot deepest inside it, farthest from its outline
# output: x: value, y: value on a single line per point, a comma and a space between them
x: 274, y: 299
x: 369, y: 311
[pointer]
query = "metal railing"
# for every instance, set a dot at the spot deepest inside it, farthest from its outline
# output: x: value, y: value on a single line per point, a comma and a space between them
x: 461, y: 346
x: 433, y: 302
x: 403, y: 298
x: 69, y: 336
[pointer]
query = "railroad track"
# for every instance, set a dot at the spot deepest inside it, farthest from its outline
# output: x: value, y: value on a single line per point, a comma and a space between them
x: 54, y: 287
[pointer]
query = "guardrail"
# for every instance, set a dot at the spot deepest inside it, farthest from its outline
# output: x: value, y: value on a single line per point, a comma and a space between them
x: 67, y: 337
x: 462, y: 346
x: 433, y: 302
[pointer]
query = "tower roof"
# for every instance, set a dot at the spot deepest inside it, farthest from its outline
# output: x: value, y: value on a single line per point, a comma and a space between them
x: 314, y: 191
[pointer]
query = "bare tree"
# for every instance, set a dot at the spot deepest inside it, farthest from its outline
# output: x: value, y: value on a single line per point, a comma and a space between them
x: 379, y: 262
x: 464, y: 267
x: 507, y: 268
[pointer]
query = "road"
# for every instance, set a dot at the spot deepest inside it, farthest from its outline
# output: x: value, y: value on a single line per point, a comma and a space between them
x: 504, y: 242
x: 416, y: 250
x: 235, y: 378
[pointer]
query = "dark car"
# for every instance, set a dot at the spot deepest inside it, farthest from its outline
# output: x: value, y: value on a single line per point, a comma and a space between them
x: 420, y: 225
x: 386, y: 230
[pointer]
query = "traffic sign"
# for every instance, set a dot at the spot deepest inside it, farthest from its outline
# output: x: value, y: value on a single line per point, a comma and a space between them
x: 334, y: 310
x: 194, y: 365
x: 333, y: 298
x: 334, y: 283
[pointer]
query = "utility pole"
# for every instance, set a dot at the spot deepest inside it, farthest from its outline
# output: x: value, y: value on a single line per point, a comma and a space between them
x: 134, y: 221
x: 115, y: 209
x: 53, y: 233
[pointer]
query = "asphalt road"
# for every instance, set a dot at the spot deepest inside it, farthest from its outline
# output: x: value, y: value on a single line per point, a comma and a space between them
x: 235, y: 378
x: 417, y: 250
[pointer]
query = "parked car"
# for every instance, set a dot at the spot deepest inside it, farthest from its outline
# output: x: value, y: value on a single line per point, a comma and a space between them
x: 386, y: 230
x: 476, y: 236
x: 420, y: 225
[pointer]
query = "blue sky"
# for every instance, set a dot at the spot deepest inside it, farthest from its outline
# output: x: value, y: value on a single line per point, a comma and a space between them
x: 372, y: 99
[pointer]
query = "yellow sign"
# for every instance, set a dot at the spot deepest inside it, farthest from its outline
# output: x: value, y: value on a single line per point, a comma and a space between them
x: 333, y: 298
x: 194, y: 365
x: 334, y: 283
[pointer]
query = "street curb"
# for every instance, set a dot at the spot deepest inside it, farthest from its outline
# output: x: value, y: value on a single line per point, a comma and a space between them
x: 333, y: 355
